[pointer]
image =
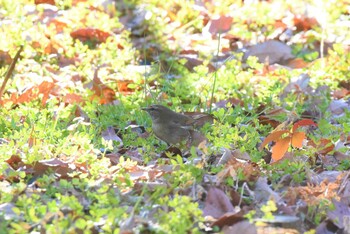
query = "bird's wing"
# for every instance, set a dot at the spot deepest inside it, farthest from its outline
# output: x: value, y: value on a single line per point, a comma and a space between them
x: 183, y: 121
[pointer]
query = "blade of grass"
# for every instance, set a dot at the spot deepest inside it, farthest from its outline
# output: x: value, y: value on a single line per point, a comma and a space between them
x: 215, y: 76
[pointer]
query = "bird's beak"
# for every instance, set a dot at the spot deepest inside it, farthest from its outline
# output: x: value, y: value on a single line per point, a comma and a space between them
x: 145, y: 108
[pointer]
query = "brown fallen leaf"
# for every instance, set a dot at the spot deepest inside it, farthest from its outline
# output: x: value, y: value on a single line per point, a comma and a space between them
x: 270, y: 52
x: 33, y: 93
x: 110, y: 135
x: 218, y: 24
x: 241, y: 227
x: 5, y: 58
x: 86, y: 34
x: 102, y: 92
x: 51, y: 2
x: 340, y: 215
x: 217, y: 203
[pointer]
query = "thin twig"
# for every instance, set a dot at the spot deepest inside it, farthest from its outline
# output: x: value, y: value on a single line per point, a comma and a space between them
x: 9, y: 71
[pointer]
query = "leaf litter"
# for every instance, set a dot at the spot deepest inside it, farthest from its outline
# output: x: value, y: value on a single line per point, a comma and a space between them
x: 225, y: 197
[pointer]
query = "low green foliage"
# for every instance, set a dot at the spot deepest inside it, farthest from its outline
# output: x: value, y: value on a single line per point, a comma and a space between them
x: 60, y: 176
x: 179, y: 215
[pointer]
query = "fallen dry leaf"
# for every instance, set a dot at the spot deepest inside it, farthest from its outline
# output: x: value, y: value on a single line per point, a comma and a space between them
x: 92, y: 34
x: 241, y: 227
x: 110, y: 135
x: 218, y: 24
x: 5, y: 58
x: 33, y: 93
x: 51, y: 2
x: 263, y: 191
x: 340, y: 215
x: 217, y: 203
x: 102, y: 92
x: 270, y: 52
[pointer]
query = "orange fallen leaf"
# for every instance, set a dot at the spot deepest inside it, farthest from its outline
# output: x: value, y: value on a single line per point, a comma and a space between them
x: 51, y: 2
x: 86, y: 34
x: 101, y: 91
x: 303, y: 122
x: 44, y: 88
x: 292, y: 137
x: 280, y: 148
x: 274, y: 136
x: 296, y: 63
x: 323, y: 146
x: 297, y: 139
x: 72, y: 98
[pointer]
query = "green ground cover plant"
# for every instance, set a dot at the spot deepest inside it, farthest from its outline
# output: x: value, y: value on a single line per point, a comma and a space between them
x: 78, y: 155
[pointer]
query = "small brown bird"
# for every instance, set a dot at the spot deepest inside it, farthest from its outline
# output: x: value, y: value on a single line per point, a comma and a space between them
x: 172, y: 127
